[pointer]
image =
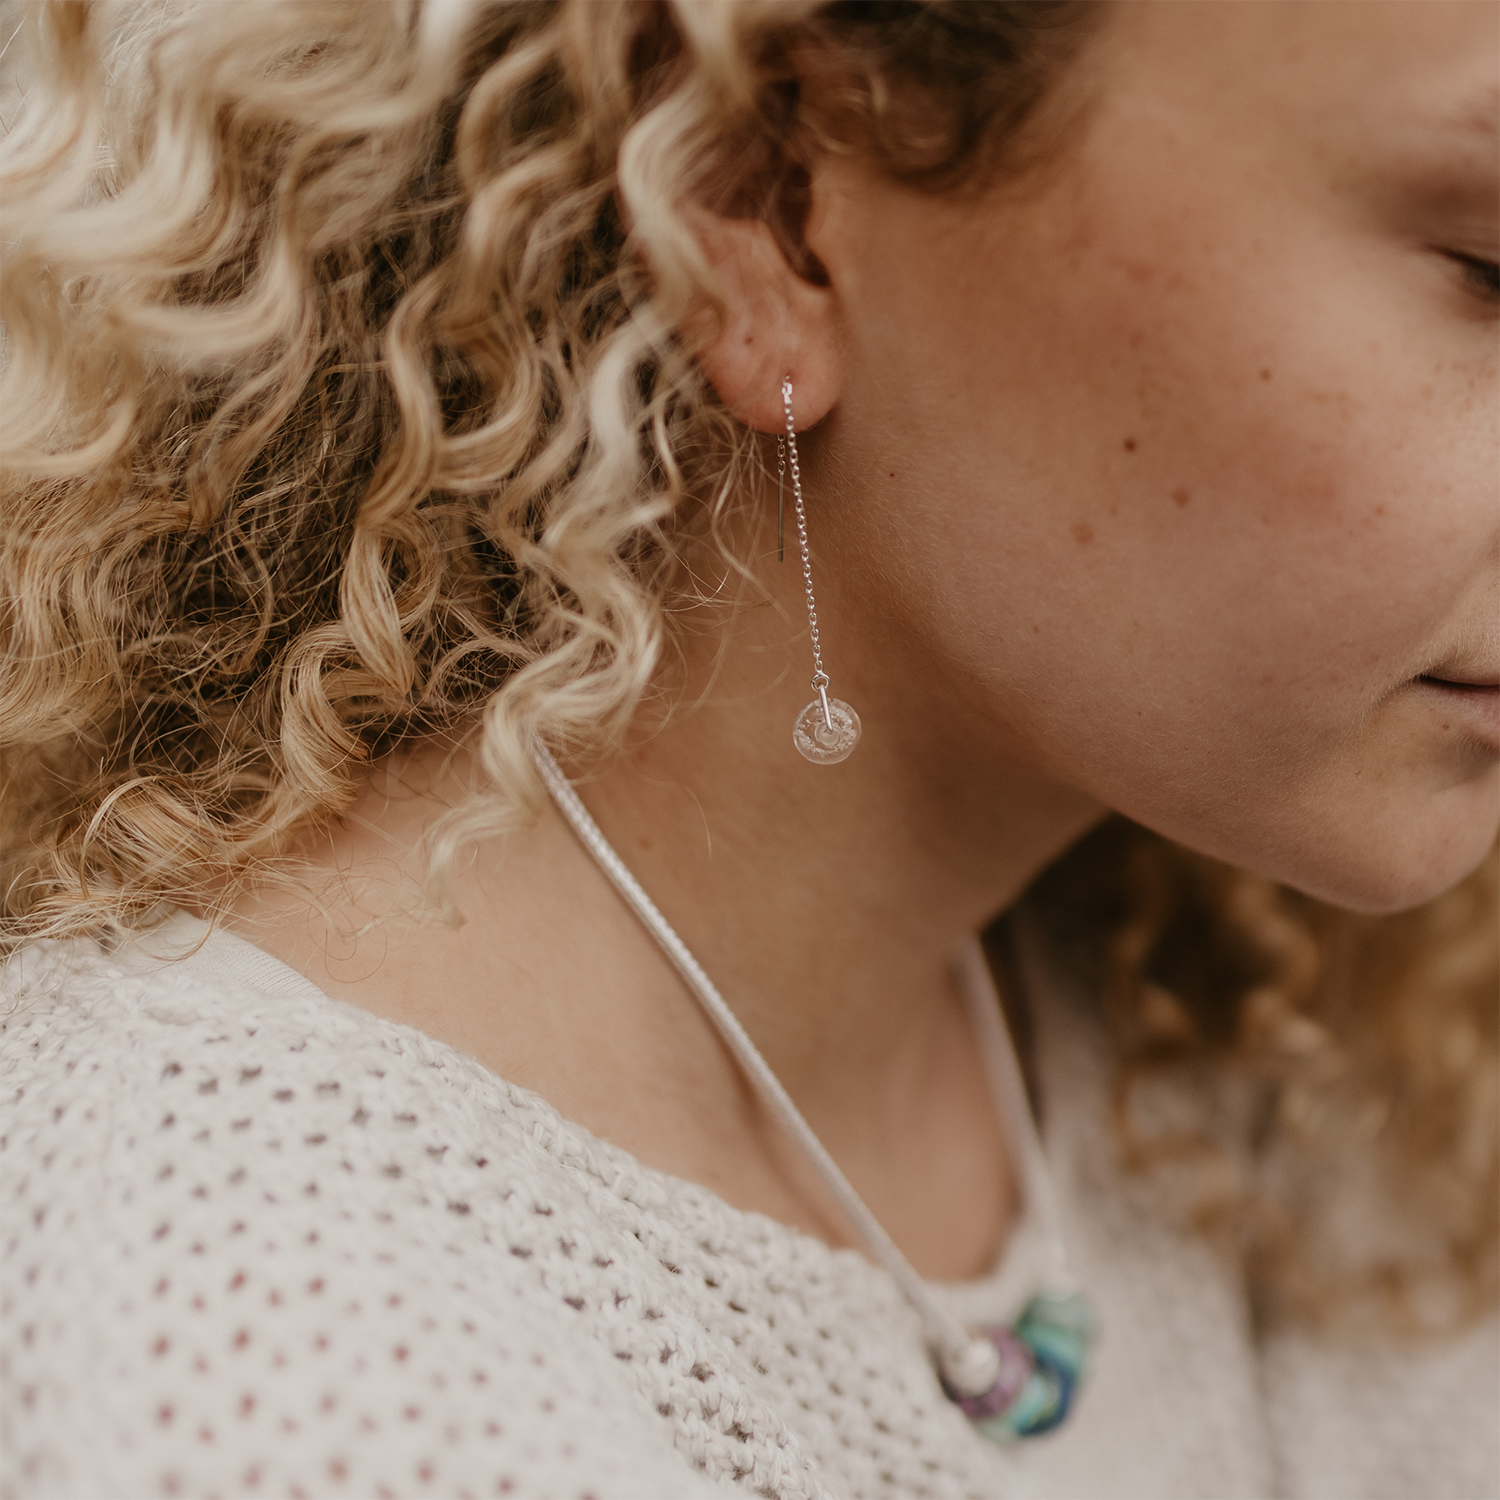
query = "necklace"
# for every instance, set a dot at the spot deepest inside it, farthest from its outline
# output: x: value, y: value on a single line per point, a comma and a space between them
x: 1011, y: 1380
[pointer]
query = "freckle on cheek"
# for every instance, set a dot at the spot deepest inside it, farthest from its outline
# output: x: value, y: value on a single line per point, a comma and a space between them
x: 1128, y: 445
x: 1083, y: 533
x: 1182, y: 495
x: 1265, y: 374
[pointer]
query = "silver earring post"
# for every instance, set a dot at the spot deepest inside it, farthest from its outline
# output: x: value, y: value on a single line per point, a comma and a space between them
x: 827, y: 730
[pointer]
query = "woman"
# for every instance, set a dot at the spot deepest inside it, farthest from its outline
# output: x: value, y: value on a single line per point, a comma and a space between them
x: 415, y: 409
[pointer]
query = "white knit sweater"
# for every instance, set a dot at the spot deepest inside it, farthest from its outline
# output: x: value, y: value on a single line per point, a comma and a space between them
x: 260, y: 1243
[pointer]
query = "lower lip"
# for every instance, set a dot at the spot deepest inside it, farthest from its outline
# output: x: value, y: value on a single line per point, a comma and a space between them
x: 1470, y: 708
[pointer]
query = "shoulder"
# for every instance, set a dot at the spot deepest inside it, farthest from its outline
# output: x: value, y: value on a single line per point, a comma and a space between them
x: 168, y: 1063
x: 262, y: 1239
x: 196, y: 1054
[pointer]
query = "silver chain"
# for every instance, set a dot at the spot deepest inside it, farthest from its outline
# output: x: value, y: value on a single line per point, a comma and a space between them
x: 821, y: 679
x: 780, y: 499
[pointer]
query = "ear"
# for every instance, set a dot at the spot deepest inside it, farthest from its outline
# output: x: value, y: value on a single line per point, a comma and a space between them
x: 773, y: 324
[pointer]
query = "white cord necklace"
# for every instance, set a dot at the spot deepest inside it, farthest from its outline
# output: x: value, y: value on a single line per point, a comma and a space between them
x: 1012, y: 1380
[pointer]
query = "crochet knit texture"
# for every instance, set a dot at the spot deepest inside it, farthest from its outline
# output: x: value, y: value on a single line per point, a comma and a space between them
x: 262, y: 1243
x: 337, y: 1256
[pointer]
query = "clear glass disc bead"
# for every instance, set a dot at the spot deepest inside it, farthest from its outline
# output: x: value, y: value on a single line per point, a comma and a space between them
x: 816, y: 742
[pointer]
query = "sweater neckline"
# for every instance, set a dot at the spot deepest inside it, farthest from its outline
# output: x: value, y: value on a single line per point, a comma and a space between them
x: 218, y: 955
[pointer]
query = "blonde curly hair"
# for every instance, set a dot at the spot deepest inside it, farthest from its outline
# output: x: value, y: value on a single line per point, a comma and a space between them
x: 341, y: 410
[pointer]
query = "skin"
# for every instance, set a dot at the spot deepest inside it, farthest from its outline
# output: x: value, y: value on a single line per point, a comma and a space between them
x: 1163, y: 481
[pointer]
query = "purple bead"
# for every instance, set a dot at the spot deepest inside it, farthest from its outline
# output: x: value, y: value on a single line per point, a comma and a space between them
x: 1016, y: 1365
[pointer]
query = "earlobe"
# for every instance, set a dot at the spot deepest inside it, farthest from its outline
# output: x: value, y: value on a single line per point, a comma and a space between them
x: 773, y: 323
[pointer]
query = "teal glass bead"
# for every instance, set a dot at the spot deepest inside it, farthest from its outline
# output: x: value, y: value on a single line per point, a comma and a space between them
x: 1058, y: 1327
x: 1043, y: 1356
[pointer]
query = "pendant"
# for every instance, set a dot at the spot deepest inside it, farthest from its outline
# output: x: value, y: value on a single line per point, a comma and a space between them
x: 1043, y: 1355
x: 827, y: 730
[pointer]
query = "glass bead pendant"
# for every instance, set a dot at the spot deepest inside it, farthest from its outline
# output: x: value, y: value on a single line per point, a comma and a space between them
x: 1043, y: 1355
x: 826, y: 738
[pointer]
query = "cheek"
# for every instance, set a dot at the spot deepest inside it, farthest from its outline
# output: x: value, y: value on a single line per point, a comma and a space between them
x: 1289, y: 522
x: 1190, y: 515
x: 1214, y: 470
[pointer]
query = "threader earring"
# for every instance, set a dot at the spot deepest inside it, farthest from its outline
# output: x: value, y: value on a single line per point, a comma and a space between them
x: 827, y: 730
x: 781, y: 499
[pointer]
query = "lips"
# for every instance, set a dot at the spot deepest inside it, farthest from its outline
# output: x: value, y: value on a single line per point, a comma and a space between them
x: 1468, y: 702
x: 1475, y: 684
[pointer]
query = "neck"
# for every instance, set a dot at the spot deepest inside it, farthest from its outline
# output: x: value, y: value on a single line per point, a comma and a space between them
x: 827, y: 904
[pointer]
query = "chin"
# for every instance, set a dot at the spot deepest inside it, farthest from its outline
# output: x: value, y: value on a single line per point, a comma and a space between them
x: 1384, y: 845
x: 1411, y: 874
